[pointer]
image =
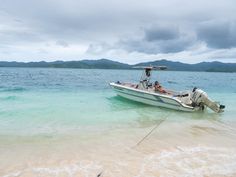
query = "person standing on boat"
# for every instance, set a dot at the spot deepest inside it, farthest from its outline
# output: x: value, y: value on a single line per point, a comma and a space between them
x: 145, y: 79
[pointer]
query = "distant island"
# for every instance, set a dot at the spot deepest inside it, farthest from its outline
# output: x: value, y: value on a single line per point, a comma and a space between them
x: 214, y: 66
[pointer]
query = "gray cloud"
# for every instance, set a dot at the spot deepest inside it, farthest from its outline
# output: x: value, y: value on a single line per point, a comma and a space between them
x: 150, y: 27
x: 218, y: 34
x: 156, y: 40
x: 161, y: 33
x: 62, y: 43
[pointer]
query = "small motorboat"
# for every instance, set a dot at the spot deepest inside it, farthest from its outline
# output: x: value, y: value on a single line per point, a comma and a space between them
x: 145, y: 92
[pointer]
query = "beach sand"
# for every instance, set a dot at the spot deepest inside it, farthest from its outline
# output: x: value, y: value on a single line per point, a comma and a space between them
x: 190, y: 148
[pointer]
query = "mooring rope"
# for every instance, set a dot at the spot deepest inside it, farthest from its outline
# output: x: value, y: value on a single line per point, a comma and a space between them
x: 149, y: 133
x: 154, y: 128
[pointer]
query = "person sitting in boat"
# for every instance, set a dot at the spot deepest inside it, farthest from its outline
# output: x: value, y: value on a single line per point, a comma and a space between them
x: 159, y: 88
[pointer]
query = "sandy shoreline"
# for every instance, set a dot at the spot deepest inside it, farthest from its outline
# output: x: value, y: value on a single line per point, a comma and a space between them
x: 194, y: 148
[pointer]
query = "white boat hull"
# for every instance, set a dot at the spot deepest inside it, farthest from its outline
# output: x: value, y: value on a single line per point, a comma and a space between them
x: 149, y: 98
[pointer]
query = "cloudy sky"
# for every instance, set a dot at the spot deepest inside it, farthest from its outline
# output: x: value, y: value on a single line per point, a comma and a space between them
x: 128, y: 31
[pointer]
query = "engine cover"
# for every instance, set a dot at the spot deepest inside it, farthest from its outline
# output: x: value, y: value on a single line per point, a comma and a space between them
x: 200, y: 97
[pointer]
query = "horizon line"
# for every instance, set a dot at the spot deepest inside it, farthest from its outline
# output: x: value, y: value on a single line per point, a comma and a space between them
x: 116, y: 61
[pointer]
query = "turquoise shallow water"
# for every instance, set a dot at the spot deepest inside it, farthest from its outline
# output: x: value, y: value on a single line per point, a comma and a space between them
x: 69, y: 122
x: 57, y: 101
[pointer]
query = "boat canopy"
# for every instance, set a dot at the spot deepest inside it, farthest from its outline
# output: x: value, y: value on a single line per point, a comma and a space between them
x: 151, y: 67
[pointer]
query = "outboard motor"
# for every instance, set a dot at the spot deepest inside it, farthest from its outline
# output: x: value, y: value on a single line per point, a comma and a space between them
x: 200, y: 98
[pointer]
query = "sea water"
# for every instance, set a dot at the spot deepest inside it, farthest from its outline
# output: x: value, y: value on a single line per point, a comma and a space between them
x: 69, y: 122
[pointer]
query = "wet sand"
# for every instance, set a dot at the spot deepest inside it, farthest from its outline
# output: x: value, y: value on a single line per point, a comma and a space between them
x: 190, y: 148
